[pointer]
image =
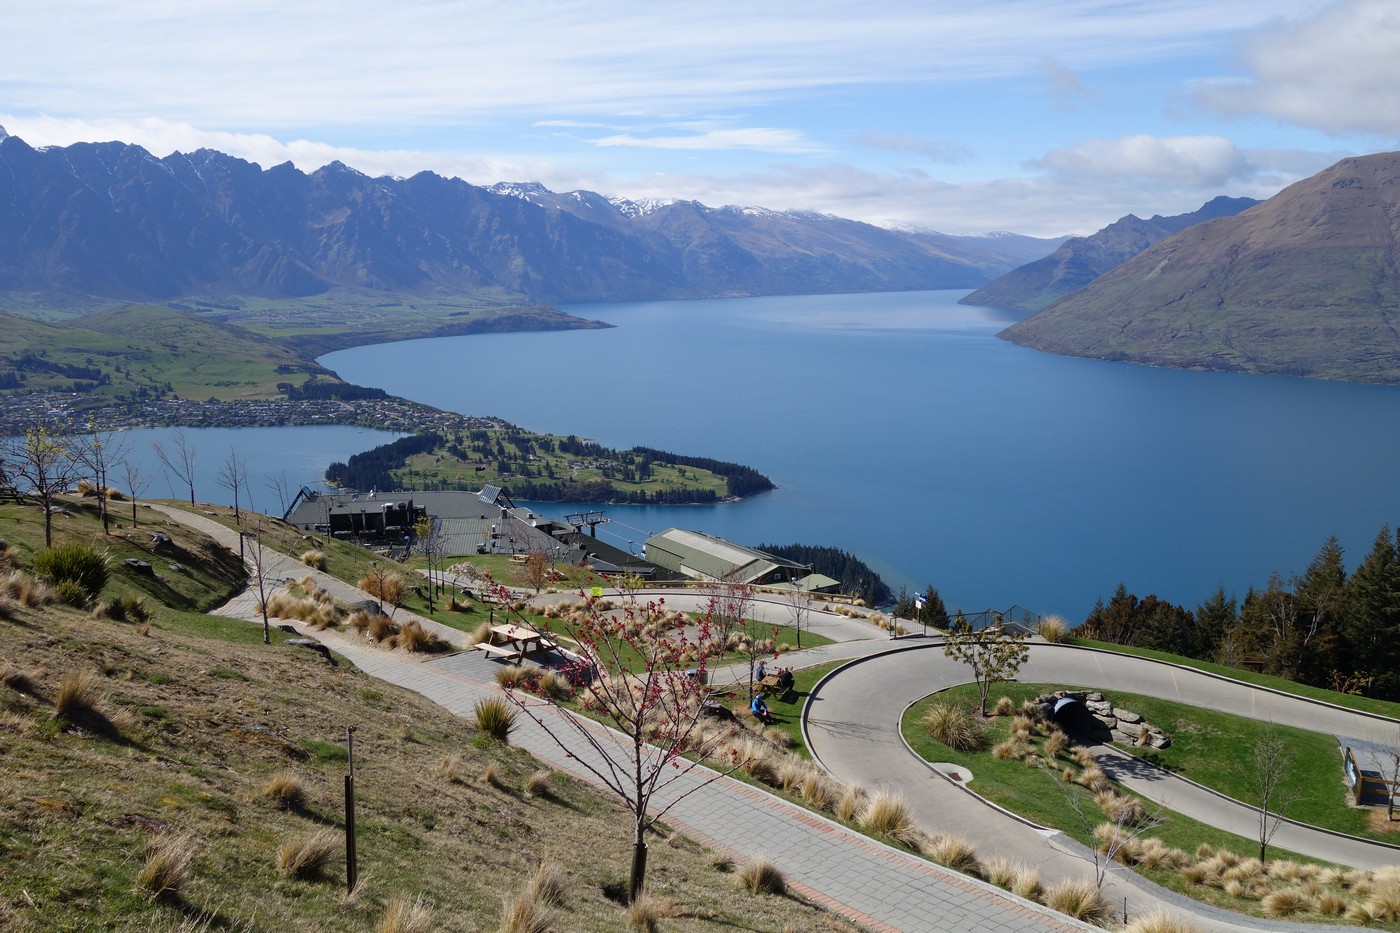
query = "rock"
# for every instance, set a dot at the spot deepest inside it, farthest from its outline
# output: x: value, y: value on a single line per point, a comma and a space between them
x: 178, y: 568
x: 315, y: 646
x: 1100, y: 708
x: 1094, y: 697
x: 140, y: 566
x: 1131, y: 728
x: 1161, y: 741
x: 1107, y: 721
x: 1126, y: 715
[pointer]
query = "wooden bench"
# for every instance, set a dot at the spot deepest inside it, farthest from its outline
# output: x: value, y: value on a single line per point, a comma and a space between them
x: 510, y: 654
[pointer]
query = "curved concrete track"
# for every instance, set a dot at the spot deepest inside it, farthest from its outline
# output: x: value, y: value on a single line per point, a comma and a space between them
x: 853, y: 729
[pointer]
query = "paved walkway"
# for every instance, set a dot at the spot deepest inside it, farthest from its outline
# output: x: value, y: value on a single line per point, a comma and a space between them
x: 879, y: 887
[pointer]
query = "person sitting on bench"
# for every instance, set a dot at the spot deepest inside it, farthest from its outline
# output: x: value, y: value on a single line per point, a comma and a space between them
x: 759, y: 708
x: 785, y: 679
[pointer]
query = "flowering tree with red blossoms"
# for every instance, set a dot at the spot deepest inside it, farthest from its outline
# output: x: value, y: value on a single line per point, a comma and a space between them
x: 640, y: 671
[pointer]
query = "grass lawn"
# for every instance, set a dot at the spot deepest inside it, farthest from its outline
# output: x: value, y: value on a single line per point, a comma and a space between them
x: 1035, y: 792
x: 1348, y: 700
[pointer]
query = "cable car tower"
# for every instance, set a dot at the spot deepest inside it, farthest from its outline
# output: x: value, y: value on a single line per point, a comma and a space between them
x: 592, y: 519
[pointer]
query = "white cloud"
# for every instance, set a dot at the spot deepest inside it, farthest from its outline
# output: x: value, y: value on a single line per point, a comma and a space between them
x: 938, y: 150
x: 757, y: 137
x: 1337, y: 71
x: 1197, y: 161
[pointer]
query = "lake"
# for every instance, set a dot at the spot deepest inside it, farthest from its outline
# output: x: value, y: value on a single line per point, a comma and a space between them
x: 900, y: 429
x: 302, y: 453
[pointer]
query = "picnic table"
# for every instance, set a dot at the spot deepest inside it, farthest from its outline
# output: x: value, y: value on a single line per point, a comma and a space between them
x: 513, y: 642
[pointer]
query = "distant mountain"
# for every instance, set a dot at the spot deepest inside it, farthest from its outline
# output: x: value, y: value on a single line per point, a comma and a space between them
x: 96, y: 222
x: 1080, y: 260
x: 1306, y: 283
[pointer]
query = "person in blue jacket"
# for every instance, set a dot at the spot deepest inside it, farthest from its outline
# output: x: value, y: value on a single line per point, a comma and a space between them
x: 759, y: 707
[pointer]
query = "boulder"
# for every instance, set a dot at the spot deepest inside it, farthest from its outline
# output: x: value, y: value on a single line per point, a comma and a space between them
x: 1126, y: 715
x: 1161, y: 740
x: 1131, y: 728
x: 1107, y: 721
x: 1100, y: 707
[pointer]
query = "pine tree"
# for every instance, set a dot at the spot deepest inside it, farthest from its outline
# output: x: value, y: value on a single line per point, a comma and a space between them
x: 1372, y: 630
x: 1321, y: 594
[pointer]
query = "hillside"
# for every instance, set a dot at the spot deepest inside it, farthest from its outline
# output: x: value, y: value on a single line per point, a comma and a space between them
x: 193, y: 718
x: 1080, y: 260
x: 1305, y: 284
x: 99, y: 222
x: 141, y: 351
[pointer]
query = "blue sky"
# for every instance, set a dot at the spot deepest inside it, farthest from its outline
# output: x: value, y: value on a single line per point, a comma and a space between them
x: 1043, y: 117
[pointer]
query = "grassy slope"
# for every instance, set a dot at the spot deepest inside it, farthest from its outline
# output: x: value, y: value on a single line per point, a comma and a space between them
x: 195, y: 715
x: 197, y: 357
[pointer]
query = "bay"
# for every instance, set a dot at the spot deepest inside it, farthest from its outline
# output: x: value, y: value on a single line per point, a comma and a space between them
x: 900, y: 429
x: 300, y: 453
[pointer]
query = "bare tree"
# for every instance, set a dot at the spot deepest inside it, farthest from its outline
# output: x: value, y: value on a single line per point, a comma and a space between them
x: 41, y: 465
x: 995, y: 653
x: 800, y: 610
x: 278, y: 485
x: 385, y: 585
x: 259, y: 562
x: 1270, y: 760
x: 643, y: 683
x: 135, y: 482
x: 536, y: 569
x: 729, y: 604
x: 430, y: 545
x: 233, y: 476
x: 1125, y: 823
x: 178, y: 459
x: 100, y: 452
x: 1385, y: 755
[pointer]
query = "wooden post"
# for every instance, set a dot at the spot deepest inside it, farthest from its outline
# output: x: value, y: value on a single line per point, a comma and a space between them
x: 351, y: 866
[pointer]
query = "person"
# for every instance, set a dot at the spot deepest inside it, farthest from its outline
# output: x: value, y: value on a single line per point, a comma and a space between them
x: 762, y: 671
x: 785, y: 679
x: 759, y: 707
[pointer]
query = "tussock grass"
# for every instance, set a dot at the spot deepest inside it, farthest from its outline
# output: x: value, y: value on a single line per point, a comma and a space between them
x: 1026, y: 883
x: 316, y: 560
x: 538, y: 784
x: 169, y: 864
x: 1078, y: 898
x: 848, y: 805
x: 77, y: 563
x: 953, y: 852
x: 512, y: 676
x: 26, y: 589
x: 548, y: 885
x: 1384, y: 902
x: 758, y: 875
x: 451, y: 769
x: 402, y: 915
x: 79, y: 692
x: 1160, y: 921
x: 491, y: 777
x: 1005, y: 706
x: 887, y: 813
x: 286, y: 790
x: 20, y: 681
x: 495, y: 717
x: 523, y: 915
x: 307, y: 857
x: 644, y: 914
x: 954, y: 726
x: 1286, y: 902
x: 816, y: 791
x: 415, y: 639
x: 1052, y: 628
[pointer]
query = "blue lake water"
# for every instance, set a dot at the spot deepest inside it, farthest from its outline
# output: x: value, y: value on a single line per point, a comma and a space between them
x: 899, y: 429
x: 302, y: 453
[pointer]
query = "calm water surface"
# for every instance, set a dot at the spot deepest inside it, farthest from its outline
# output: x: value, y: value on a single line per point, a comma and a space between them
x: 900, y: 429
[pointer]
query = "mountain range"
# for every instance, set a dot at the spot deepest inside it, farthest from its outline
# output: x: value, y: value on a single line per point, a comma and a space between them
x: 93, y: 223
x: 1080, y: 260
x: 1306, y: 283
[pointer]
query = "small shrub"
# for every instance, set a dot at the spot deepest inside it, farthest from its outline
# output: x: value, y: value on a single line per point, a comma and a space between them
x: 514, y: 677
x: 381, y: 628
x: 77, y: 563
x: 71, y: 593
x: 169, y: 862
x: 1079, y: 899
x: 1329, y: 902
x: 286, y: 790
x: 316, y: 560
x: 538, y: 783
x: 759, y: 875
x: 1005, y: 707
x: 1054, y: 744
x: 26, y: 589
x: 999, y: 871
x: 849, y: 803
x: 306, y: 858
x: 415, y: 639
x: 480, y: 634
x: 495, y: 717
x: 816, y: 791
x: 128, y: 607
x: 78, y: 692
x: 1026, y: 883
x: 954, y: 726
x: 404, y: 916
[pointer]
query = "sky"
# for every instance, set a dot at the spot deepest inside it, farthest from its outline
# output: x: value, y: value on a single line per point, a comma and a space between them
x: 1041, y: 117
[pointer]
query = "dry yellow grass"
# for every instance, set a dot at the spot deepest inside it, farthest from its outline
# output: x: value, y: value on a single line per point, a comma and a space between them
x: 169, y: 863
x: 523, y: 915
x: 1160, y: 921
x: 758, y: 875
x: 78, y: 692
x: 307, y: 857
x: 286, y: 790
x: 538, y: 783
x: 402, y: 915
x: 1077, y: 898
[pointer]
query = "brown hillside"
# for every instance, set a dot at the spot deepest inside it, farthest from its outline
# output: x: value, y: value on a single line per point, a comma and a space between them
x: 1305, y: 284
